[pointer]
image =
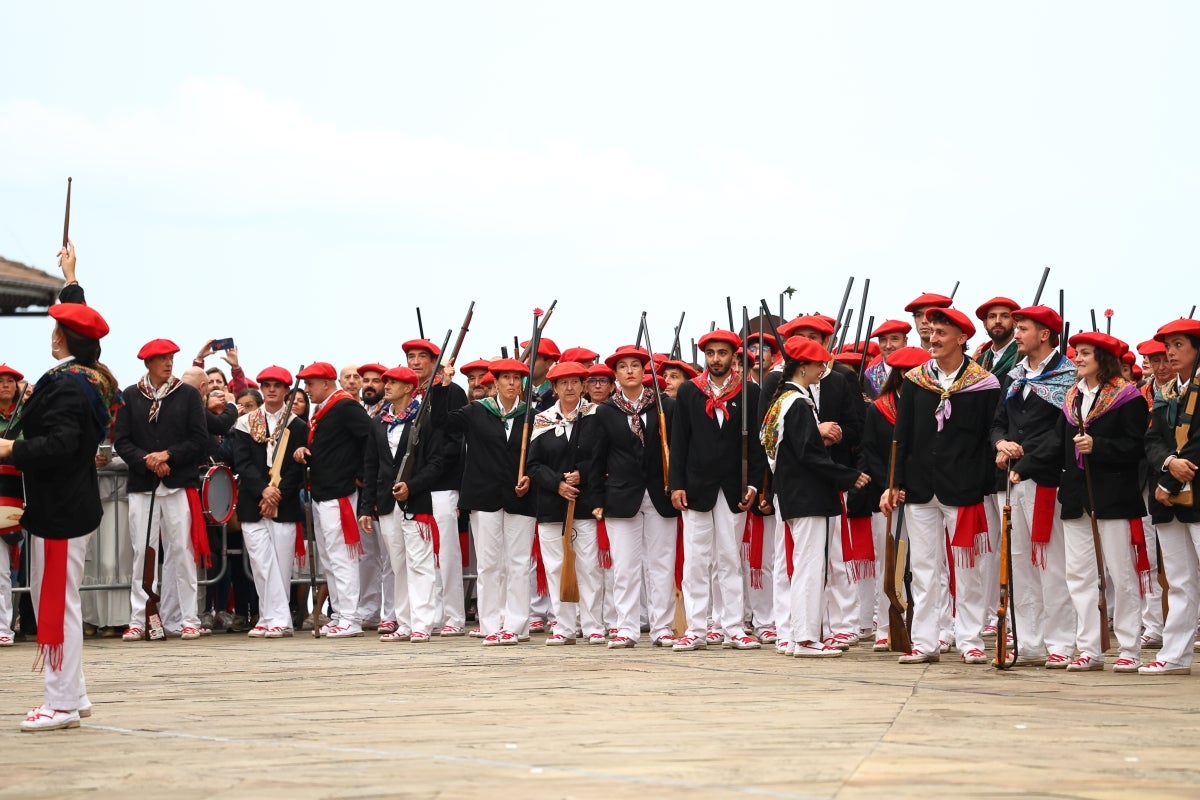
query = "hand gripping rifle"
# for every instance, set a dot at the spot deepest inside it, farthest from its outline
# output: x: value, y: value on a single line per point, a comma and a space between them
x: 662, y: 415
x: 899, y: 640
x: 408, y: 460
x: 1102, y: 602
x: 535, y: 339
x: 275, y: 476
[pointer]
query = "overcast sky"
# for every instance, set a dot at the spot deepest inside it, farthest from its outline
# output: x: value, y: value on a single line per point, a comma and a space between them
x: 300, y: 176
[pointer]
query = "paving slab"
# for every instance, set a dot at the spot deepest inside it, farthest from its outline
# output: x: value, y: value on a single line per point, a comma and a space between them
x: 231, y: 717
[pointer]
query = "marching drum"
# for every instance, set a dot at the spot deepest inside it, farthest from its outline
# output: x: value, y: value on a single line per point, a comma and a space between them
x: 218, y: 494
x: 12, y: 503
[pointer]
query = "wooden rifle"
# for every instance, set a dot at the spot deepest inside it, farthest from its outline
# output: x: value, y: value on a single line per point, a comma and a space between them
x: 675, y: 352
x: 568, y: 585
x: 662, y: 414
x: 899, y: 640
x: 1002, y: 659
x: 67, y: 216
x: 154, y: 626
x: 534, y: 340
x: 541, y: 326
x: 1183, y: 429
x: 408, y: 460
x: 1102, y: 602
x: 745, y: 404
x: 462, y: 333
x: 275, y: 475
x: 841, y: 308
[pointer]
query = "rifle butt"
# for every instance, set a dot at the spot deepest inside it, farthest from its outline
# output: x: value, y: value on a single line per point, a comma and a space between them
x: 568, y: 591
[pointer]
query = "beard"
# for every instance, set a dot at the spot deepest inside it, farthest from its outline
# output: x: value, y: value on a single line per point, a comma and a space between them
x: 371, y: 396
x: 997, y: 338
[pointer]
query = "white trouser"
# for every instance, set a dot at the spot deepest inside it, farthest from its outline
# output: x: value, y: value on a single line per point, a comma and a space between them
x: 375, y: 580
x: 713, y: 537
x: 341, y: 573
x: 927, y: 524
x: 781, y: 592
x: 503, y: 543
x: 170, y: 534
x: 409, y: 547
x: 762, y: 600
x: 572, y: 618
x: 806, y: 591
x: 841, y: 595
x: 993, y: 506
x: 645, y: 540
x: 1045, y: 618
x: 873, y: 604
x: 270, y: 544
x: 451, y: 605
x: 610, y: 597
x: 1083, y: 584
x: 1152, y: 610
x: 1183, y: 590
x: 65, y: 687
x: 6, y: 606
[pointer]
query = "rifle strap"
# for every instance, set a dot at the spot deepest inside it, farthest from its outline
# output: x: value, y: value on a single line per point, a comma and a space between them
x: 1183, y: 426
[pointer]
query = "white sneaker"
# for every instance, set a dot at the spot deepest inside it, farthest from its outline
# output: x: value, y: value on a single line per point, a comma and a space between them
x: 340, y: 631
x: 47, y: 719
x: 816, y: 650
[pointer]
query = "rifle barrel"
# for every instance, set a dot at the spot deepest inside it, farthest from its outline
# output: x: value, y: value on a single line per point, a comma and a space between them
x: 1037, y: 297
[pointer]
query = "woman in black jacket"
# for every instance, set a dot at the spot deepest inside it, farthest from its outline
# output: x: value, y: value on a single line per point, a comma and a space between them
x: 69, y: 412
x: 807, y: 486
x: 1103, y: 429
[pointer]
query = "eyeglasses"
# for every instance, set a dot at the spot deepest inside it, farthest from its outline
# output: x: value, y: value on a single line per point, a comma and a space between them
x: 599, y: 381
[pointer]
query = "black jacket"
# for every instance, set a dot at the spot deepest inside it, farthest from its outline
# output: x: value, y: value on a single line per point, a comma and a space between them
x: 706, y: 457
x: 551, y: 455
x: 1160, y: 443
x: 493, y: 456
x: 1118, y: 448
x: 445, y: 399
x: 380, y: 467
x: 250, y: 464
x: 1032, y: 423
x: 874, y: 457
x: 337, y: 446
x: 623, y: 469
x: 179, y: 428
x: 807, y: 479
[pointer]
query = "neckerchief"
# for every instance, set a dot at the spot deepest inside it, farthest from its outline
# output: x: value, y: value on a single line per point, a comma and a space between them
x: 772, y: 429
x: 1001, y: 365
x: 156, y: 396
x: 493, y: 407
x: 388, y: 416
x: 1051, y: 385
x: 552, y: 419
x: 718, y: 399
x: 339, y: 396
x: 104, y: 400
x: 886, y: 405
x: 634, y: 409
x: 1111, y: 396
x: 876, y: 374
x: 972, y: 378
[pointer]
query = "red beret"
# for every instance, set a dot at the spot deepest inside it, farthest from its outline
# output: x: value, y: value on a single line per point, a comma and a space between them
x: 487, y: 380
x: 929, y: 300
x: 627, y: 351
x: 365, y: 368
x: 1137, y: 372
x: 579, y: 354
x: 687, y: 369
x: 546, y: 348
x: 1113, y: 345
x: 601, y: 371
x: 157, y: 347
x: 1180, y: 327
x: 478, y: 364
x: 765, y: 338
x: 982, y: 311
x: 84, y: 320
x: 421, y: 344
x: 319, y: 370
x: 907, y: 357
x: 5, y: 369
x: 891, y: 326
x: 956, y: 318
x: 1128, y: 357
x: 274, y: 373
x: 401, y: 374
x: 801, y: 349
x: 508, y: 365
x: 567, y: 369
x: 1152, y: 348
x: 857, y: 347
x: 728, y: 337
x: 810, y: 323
x: 662, y: 384
x: 849, y: 359
x: 1042, y: 315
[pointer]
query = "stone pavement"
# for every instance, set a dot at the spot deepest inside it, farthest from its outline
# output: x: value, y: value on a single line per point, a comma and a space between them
x: 230, y: 717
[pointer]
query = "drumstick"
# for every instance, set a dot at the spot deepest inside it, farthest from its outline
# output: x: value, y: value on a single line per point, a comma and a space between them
x: 67, y: 216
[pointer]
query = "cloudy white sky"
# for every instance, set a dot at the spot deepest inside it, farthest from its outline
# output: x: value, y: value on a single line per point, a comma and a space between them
x: 300, y: 176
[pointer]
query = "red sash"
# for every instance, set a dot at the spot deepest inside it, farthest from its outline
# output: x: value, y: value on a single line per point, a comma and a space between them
x: 198, y: 530
x: 603, y: 548
x: 970, y: 539
x: 1043, y: 523
x: 539, y: 567
x: 337, y: 397
x: 350, y: 532
x: 752, y: 548
x: 52, y: 605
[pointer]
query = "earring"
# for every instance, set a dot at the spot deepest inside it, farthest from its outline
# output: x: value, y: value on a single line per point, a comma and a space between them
x: 803, y: 372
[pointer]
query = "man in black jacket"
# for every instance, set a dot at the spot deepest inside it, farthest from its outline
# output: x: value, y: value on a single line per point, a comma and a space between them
x: 161, y: 435
x: 337, y: 435
x: 706, y: 485
x: 943, y: 471
x: 1028, y: 446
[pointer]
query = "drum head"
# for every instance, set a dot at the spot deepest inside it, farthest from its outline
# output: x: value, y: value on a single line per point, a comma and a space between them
x: 218, y: 494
